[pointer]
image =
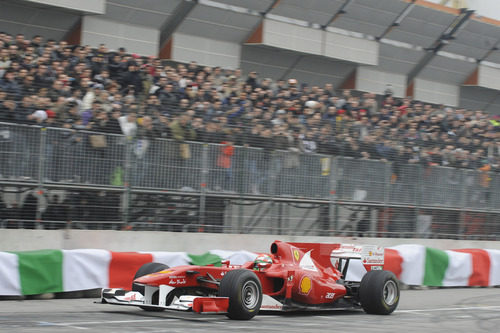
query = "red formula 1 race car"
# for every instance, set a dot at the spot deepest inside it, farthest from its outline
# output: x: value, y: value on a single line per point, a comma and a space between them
x: 295, y: 276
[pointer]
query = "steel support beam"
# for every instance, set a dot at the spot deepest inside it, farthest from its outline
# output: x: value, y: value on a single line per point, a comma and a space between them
x: 271, y: 6
x: 292, y: 67
x: 178, y: 15
x: 340, y: 11
x: 398, y: 20
x: 449, y: 34
x: 494, y: 48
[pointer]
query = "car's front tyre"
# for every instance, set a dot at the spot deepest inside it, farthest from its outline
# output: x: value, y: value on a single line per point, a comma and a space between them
x: 244, y: 290
x: 149, y: 268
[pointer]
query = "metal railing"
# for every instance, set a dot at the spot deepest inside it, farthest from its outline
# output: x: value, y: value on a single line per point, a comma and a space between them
x: 55, y: 158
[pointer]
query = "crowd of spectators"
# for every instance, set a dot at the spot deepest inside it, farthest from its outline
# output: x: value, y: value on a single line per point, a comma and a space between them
x: 54, y: 84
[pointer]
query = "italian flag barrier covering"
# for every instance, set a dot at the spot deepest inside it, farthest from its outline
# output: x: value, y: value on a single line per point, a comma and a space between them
x: 36, y: 272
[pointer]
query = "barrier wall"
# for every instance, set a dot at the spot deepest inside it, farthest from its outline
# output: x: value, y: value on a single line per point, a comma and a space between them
x: 30, y: 269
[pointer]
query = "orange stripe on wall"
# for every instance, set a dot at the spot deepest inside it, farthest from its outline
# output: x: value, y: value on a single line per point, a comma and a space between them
x: 166, y: 50
x: 486, y: 20
x: 73, y: 36
x: 473, y: 78
x: 123, y: 267
x: 256, y: 37
x: 350, y: 81
x: 454, y: 11
x: 437, y: 6
x: 410, y: 89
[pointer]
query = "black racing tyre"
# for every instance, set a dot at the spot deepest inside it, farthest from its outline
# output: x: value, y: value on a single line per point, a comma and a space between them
x: 379, y: 292
x: 244, y: 291
x: 151, y: 267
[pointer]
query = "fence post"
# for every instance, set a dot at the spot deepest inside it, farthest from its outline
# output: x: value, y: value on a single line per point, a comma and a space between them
x: 41, y: 170
x: 244, y: 189
x: 418, y: 195
x: 126, y: 180
x: 332, y: 195
x: 203, y: 185
x: 274, y: 169
x: 463, y: 202
x: 41, y: 165
x: 387, y: 196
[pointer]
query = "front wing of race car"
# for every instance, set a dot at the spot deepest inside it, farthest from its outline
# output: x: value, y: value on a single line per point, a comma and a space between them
x: 197, y: 304
x: 204, y: 304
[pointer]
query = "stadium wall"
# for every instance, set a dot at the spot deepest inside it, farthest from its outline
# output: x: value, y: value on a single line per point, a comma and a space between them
x: 436, y: 92
x: 25, y: 18
x: 137, y: 39
x: 207, y: 51
x: 375, y: 80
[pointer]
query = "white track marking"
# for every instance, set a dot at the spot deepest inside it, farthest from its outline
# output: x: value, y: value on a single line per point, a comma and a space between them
x: 106, y: 322
x: 491, y: 307
x: 77, y: 325
x: 46, y: 323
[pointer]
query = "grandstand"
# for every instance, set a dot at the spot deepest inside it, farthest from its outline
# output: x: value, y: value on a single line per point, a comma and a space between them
x: 348, y: 117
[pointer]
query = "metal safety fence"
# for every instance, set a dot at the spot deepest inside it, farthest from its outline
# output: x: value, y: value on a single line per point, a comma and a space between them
x: 349, y: 196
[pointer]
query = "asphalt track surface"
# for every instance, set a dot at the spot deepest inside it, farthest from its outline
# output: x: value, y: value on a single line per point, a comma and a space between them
x: 437, y: 310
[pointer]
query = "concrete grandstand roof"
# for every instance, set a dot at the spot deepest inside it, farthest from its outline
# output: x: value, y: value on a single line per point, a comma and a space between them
x: 448, y: 70
x: 152, y: 13
x: 290, y: 64
x: 316, y: 11
x: 422, y: 26
x: 419, y: 27
x: 257, y: 5
x: 217, y: 23
x: 369, y: 17
x: 418, y: 39
x: 475, y: 39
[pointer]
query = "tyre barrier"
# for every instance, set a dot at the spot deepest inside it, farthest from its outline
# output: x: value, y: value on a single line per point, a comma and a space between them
x: 56, y: 271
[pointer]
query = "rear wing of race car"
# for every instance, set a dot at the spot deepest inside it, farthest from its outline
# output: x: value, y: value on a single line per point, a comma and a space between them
x: 339, y: 255
x: 371, y: 256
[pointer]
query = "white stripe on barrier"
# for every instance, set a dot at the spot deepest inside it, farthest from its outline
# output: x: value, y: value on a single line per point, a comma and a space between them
x: 459, y: 269
x: 10, y: 283
x: 85, y: 269
x: 494, y: 267
x: 413, y: 266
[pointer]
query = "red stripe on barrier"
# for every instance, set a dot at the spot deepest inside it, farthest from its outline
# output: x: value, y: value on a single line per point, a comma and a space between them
x: 123, y: 267
x: 393, y: 262
x: 480, y: 267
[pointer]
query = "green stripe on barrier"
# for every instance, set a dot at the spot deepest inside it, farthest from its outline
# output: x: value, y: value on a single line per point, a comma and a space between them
x: 436, y: 264
x: 40, y: 271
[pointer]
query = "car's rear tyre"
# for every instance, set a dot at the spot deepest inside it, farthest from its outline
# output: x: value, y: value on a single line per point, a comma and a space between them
x: 244, y: 291
x: 152, y: 267
x: 379, y: 292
